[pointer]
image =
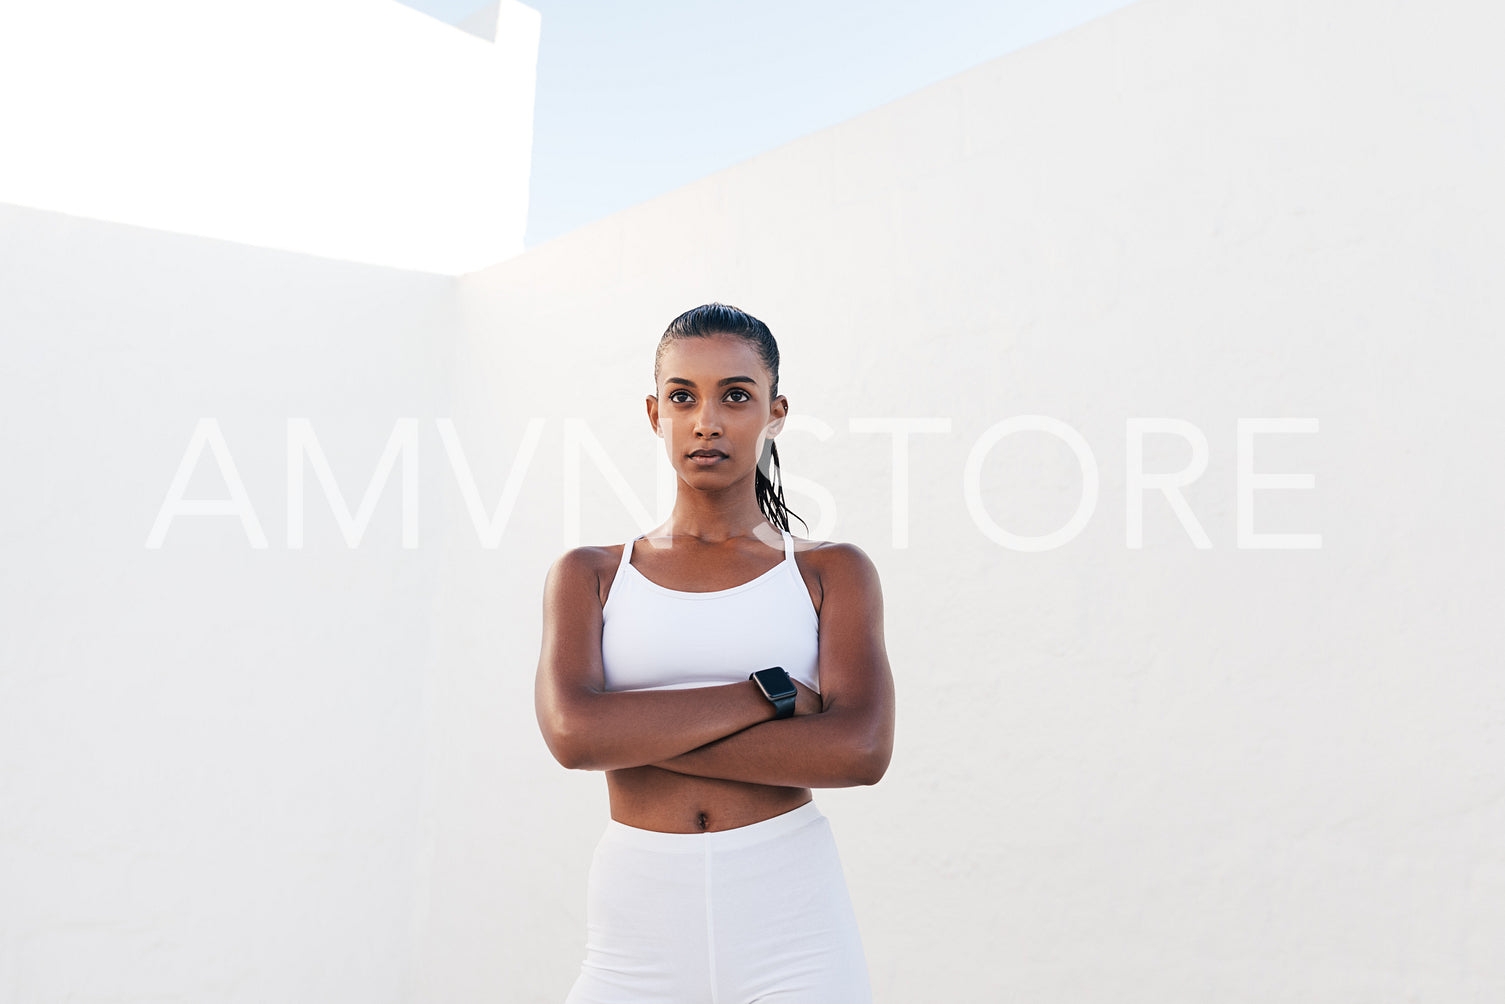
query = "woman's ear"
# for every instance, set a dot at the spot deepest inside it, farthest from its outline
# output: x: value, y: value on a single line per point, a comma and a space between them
x: 780, y: 411
x: 652, y: 404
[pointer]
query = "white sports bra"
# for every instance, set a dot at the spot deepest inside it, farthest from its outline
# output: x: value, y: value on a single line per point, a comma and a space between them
x: 655, y: 638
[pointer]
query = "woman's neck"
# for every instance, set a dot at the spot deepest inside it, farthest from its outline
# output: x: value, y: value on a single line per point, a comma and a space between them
x: 711, y: 520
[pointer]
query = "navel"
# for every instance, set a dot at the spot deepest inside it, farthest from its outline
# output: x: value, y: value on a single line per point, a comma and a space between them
x: 704, y: 821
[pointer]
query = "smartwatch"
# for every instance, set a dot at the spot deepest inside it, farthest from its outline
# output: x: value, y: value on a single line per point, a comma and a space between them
x: 778, y: 688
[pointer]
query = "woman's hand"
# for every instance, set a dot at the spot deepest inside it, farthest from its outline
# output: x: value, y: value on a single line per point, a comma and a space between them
x: 806, y: 701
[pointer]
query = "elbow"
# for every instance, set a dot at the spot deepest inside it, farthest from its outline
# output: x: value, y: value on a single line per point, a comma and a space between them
x: 568, y: 757
x: 871, y: 765
x: 565, y: 753
x: 870, y: 773
x: 574, y: 756
x: 566, y: 743
x: 869, y: 746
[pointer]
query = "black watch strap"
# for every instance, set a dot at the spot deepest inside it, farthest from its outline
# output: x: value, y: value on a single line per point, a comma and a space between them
x: 778, y: 688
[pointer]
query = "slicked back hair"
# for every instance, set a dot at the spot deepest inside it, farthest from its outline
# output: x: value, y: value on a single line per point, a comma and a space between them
x: 721, y: 319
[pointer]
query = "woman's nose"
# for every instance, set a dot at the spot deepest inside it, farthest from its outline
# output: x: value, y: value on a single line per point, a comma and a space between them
x: 707, y: 420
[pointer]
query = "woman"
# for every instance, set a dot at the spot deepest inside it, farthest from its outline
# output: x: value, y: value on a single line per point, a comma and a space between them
x: 716, y: 678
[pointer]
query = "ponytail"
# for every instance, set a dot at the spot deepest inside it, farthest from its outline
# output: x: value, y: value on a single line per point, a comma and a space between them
x: 771, y: 491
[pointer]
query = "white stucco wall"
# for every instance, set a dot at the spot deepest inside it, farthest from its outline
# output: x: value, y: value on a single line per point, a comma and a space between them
x: 360, y: 130
x: 211, y: 752
x: 1167, y: 773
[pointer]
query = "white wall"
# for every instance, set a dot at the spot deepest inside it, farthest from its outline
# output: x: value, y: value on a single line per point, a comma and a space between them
x: 210, y: 753
x: 1164, y: 774
x: 353, y: 129
x: 1157, y: 774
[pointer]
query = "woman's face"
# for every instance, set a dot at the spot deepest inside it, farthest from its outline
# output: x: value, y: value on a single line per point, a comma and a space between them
x: 713, y: 399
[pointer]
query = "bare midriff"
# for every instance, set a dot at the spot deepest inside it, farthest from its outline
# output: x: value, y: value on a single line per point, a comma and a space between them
x: 652, y: 798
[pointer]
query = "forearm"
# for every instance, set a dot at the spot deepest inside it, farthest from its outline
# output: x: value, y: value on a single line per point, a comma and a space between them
x: 609, y: 730
x: 826, y: 750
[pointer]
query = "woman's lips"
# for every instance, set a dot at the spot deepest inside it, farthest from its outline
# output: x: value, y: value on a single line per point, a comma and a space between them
x: 706, y: 460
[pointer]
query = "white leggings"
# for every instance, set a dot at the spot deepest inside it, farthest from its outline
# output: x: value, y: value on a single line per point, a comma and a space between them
x: 756, y: 913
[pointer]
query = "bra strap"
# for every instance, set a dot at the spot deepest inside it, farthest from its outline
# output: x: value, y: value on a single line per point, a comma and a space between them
x: 627, y: 554
x: 788, y: 546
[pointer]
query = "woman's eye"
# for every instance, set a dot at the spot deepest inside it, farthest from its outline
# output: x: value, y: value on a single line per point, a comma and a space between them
x: 679, y: 396
x: 745, y: 395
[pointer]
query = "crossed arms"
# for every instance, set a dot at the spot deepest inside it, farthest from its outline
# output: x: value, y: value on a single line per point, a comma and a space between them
x: 726, y: 731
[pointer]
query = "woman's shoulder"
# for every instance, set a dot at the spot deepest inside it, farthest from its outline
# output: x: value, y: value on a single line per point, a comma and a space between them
x: 837, y: 559
x: 590, y: 567
x: 587, y: 561
x: 849, y: 551
x: 586, y: 555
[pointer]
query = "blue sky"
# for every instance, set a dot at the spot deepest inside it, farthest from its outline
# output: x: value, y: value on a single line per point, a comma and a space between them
x: 637, y: 99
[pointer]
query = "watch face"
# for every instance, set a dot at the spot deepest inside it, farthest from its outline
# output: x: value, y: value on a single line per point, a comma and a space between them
x: 775, y: 683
